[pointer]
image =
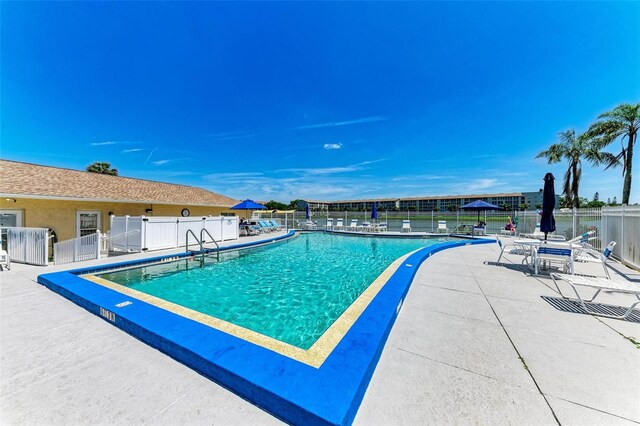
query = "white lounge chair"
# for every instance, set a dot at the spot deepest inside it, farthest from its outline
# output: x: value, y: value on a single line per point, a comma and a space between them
x: 588, y: 255
x: 339, y: 223
x: 354, y: 225
x: 381, y: 227
x: 479, y: 230
x: 5, y: 260
x: 442, y: 227
x: 554, y: 252
x: 406, y: 226
x: 582, y: 238
x: 329, y: 223
x: 599, y: 284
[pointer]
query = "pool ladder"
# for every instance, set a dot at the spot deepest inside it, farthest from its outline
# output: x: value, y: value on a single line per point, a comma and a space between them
x: 201, y: 241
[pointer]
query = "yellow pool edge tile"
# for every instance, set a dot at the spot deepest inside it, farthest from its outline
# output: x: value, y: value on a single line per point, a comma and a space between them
x: 314, y: 356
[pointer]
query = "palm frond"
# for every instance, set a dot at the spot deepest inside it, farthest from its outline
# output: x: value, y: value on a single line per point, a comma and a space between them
x: 611, y: 160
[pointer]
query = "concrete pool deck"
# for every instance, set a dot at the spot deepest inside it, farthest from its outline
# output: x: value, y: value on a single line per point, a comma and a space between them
x: 453, y: 356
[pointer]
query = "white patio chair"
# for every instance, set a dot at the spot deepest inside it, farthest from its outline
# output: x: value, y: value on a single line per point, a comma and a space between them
x: 329, y: 225
x: 442, y: 227
x: 353, y: 226
x: 554, y: 252
x: 339, y: 224
x: 5, y: 261
x: 599, y: 284
x: 510, y: 246
x: 406, y: 226
x: 588, y: 255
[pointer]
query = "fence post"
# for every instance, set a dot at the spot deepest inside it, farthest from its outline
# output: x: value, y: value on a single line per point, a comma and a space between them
x: 98, y: 243
x: 431, y: 220
x: 126, y: 233
x: 604, y: 226
x: 574, y: 223
x: 178, y: 236
x: 622, y: 246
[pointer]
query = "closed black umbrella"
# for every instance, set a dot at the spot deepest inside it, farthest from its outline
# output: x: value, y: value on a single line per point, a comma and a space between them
x: 548, y: 222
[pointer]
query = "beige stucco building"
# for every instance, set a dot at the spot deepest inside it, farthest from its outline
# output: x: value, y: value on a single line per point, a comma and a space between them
x: 75, y: 203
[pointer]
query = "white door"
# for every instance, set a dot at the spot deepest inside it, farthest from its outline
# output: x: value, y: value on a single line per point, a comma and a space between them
x: 87, y: 222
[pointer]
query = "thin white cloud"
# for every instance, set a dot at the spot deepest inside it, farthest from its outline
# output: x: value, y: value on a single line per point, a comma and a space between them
x: 330, y: 170
x: 230, y: 138
x: 231, y: 176
x: 332, y: 146
x: 126, y: 151
x: 236, y: 134
x: 343, y: 123
x: 150, y: 154
x: 171, y: 160
x: 103, y: 143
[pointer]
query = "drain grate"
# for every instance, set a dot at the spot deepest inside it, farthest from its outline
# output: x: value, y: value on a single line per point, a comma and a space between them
x: 573, y: 306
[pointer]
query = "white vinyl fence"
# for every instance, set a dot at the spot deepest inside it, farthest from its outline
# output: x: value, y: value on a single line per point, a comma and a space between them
x: 28, y: 245
x: 140, y: 233
x: 622, y: 225
x: 78, y: 249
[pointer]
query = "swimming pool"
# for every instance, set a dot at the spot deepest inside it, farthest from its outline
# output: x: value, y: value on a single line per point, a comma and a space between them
x: 321, y: 385
x: 292, y: 291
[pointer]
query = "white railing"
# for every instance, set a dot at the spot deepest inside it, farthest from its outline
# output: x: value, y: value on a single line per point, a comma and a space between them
x: 28, y: 245
x: 121, y: 242
x: 87, y: 247
x: 140, y: 233
x: 622, y: 225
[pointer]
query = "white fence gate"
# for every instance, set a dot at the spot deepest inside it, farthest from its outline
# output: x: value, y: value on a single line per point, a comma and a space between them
x: 77, y: 249
x: 28, y: 245
x: 140, y: 233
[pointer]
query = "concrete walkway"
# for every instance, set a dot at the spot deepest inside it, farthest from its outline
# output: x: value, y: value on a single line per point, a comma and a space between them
x: 474, y: 343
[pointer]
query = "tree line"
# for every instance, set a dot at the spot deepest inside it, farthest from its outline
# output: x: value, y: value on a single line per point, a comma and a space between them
x: 621, y: 123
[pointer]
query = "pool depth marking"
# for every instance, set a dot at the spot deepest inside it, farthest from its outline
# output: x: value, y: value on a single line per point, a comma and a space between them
x: 314, y: 356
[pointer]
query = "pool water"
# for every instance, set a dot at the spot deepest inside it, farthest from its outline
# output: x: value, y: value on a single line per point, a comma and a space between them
x: 291, y: 291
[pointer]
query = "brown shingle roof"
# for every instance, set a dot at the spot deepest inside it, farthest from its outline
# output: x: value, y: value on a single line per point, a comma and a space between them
x: 24, y: 179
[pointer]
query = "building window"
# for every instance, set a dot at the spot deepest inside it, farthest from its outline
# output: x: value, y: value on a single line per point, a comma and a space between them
x: 87, y: 222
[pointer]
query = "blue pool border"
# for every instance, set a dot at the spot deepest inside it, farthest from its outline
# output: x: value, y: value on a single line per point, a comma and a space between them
x: 290, y: 390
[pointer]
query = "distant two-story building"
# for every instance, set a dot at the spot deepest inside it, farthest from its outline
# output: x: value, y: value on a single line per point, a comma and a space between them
x: 513, y: 201
x: 75, y: 203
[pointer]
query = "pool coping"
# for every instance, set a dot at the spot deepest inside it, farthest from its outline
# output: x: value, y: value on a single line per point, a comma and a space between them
x: 290, y: 390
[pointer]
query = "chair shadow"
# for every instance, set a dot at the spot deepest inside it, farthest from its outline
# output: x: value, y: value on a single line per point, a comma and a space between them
x: 512, y: 266
x: 566, y: 305
x: 634, y: 278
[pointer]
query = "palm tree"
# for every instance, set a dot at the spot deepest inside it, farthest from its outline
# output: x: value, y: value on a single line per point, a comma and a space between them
x: 102, y: 168
x: 621, y: 122
x: 573, y: 148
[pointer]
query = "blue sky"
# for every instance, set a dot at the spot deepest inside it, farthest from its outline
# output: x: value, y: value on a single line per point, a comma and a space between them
x: 316, y: 100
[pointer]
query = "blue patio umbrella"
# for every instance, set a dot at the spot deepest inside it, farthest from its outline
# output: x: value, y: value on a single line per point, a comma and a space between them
x: 374, y: 211
x: 480, y: 206
x: 248, y: 205
x: 547, y: 221
x: 307, y: 213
